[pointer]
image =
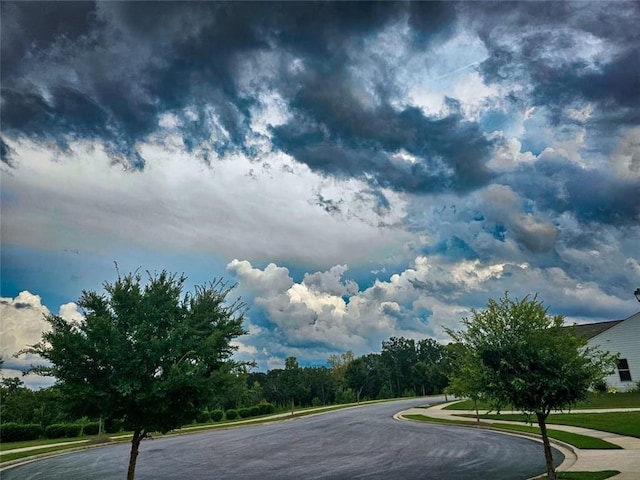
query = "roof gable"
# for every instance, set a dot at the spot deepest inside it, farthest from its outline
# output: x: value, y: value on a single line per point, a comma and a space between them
x: 590, y: 330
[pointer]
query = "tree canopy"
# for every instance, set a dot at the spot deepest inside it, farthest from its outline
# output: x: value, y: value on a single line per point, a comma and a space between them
x: 144, y: 353
x: 515, y: 354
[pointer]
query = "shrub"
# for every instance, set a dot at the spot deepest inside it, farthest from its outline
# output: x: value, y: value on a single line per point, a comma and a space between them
x: 244, y: 412
x: 62, y: 430
x: 113, y: 425
x: 266, y: 408
x: 57, y: 430
x: 72, y: 430
x: 203, y: 417
x: 254, y: 411
x: 217, y: 415
x: 316, y: 402
x: 17, y: 432
x: 600, y: 386
x: 92, y: 428
x: 231, y: 414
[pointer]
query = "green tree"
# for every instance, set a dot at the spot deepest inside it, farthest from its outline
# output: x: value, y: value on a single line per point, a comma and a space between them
x: 292, y: 381
x: 399, y: 355
x: 144, y: 353
x: 321, y: 384
x: 357, y: 375
x: 527, y: 359
x: 338, y: 364
x: 466, y: 379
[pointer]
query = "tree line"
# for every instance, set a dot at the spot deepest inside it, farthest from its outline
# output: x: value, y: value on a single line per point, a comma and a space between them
x: 404, y: 367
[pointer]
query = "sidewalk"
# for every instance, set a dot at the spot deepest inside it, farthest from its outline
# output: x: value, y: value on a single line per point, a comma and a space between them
x: 626, y: 460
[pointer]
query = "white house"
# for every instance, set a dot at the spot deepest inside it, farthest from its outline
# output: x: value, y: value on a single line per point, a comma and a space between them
x: 619, y: 337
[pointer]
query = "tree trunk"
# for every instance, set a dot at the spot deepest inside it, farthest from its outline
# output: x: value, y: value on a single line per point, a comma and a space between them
x: 475, y: 406
x: 292, y: 404
x: 551, y: 471
x: 135, y: 446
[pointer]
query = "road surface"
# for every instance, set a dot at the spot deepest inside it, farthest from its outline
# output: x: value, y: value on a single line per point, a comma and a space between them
x: 359, y: 443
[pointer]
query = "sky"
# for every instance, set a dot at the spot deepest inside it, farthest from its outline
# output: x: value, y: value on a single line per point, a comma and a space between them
x: 360, y: 170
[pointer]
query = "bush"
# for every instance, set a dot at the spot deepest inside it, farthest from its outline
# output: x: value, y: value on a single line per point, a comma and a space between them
x: 316, y: 402
x: 72, y: 430
x: 203, y: 417
x: 217, y: 415
x: 254, y: 411
x: 266, y: 408
x: 17, y: 432
x: 57, y: 430
x: 600, y: 386
x: 231, y: 414
x: 63, y: 430
x: 244, y: 412
x: 113, y: 425
x: 92, y: 428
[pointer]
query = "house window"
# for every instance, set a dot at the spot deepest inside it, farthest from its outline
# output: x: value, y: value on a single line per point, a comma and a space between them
x: 623, y: 370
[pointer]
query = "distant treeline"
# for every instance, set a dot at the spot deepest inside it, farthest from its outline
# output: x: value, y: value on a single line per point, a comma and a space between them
x: 404, y: 367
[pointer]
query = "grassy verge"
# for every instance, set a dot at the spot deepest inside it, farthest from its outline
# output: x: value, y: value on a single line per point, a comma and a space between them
x: 622, y: 423
x: 587, y: 475
x: 16, y: 456
x: 595, y: 400
x: 7, y: 457
x: 42, y: 441
x: 579, y: 441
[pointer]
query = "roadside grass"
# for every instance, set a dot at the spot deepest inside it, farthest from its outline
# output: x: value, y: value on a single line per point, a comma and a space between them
x: 595, y: 400
x: 18, y: 455
x: 622, y: 423
x: 587, y: 475
x: 8, y: 457
x: 49, y: 441
x: 580, y: 441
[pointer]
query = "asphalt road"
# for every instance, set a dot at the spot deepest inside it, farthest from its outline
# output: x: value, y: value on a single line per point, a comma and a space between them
x: 359, y: 443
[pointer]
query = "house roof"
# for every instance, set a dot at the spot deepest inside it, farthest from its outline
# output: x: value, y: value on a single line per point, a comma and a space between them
x: 590, y: 330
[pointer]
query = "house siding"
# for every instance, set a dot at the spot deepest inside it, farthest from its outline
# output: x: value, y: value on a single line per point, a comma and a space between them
x: 622, y: 339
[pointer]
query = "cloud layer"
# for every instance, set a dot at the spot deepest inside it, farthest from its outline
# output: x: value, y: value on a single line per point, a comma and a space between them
x: 444, y: 151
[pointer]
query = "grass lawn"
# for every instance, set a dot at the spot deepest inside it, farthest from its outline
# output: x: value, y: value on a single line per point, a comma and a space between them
x: 579, y: 441
x: 587, y: 475
x: 595, y: 400
x: 32, y: 443
x: 622, y: 423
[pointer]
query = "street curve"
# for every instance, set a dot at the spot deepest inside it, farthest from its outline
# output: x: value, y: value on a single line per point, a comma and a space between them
x: 364, y: 442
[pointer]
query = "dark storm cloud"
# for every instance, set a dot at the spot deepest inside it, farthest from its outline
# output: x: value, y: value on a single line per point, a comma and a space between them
x: 5, y: 153
x: 591, y: 195
x: 335, y: 134
x: 133, y: 62
x: 545, y: 58
x: 616, y: 87
x: 34, y: 26
x: 108, y: 71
